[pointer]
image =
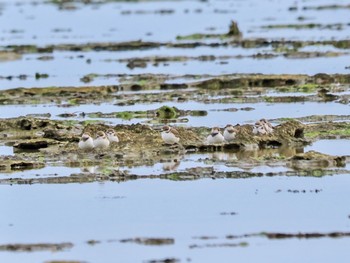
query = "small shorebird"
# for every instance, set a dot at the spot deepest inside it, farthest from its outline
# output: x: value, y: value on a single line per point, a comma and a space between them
x: 267, y: 125
x: 86, y: 142
x: 258, y: 129
x: 101, y: 140
x: 112, y: 136
x: 170, y: 135
x: 215, y: 136
x: 262, y: 127
x: 230, y: 133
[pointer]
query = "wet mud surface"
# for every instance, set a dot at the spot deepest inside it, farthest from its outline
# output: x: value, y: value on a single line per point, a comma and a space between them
x: 74, y: 67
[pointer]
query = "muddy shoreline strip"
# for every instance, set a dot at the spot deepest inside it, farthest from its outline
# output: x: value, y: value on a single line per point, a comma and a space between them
x: 143, y: 45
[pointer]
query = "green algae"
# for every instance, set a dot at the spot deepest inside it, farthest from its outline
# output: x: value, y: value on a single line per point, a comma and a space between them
x: 200, y: 36
x: 166, y: 112
x: 318, y: 134
x: 307, y: 88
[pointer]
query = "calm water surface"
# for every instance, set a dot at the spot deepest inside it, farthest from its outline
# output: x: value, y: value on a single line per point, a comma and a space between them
x: 156, y: 208
x: 183, y: 210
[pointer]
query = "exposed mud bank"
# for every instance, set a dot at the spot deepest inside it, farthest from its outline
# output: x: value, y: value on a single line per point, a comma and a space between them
x: 36, y: 247
x: 195, y: 42
x: 56, y: 141
x: 238, y: 86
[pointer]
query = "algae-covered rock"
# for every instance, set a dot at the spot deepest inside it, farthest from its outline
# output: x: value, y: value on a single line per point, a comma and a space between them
x: 313, y: 159
x: 31, y: 144
x: 142, y: 144
x: 328, y: 130
x: 23, y: 123
x: 11, y: 164
x: 166, y: 112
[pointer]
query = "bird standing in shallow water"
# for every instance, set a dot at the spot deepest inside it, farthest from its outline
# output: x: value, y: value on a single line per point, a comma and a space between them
x: 170, y: 135
x: 112, y: 136
x: 101, y: 140
x: 86, y: 142
x: 230, y: 133
x: 215, y: 136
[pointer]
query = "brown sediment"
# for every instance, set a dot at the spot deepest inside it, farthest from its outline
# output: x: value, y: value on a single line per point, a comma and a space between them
x: 9, y: 56
x: 196, y: 173
x: 36, y: 247
x: 236, y: 87
x: 305, y: 235
x: 150, y: 241
x: 194, y: 41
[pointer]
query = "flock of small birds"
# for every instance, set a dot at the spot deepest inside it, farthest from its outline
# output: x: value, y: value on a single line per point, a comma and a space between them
x: 102, y: 140
x: 171, y: 136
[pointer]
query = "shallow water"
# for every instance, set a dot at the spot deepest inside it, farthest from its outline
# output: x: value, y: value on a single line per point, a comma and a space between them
x: 42, y: 24
x: 332, y: 147
x: 108, y: 212
x: 217, y: 116
x: 48, y: 171
x: 6, y: 150
x: 61, y: 75
x: 30, y: 21
x: 112, y: 211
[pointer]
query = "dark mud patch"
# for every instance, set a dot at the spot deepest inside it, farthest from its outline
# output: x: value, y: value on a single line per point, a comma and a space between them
x: 336, y: 26
x: 31, y: 144
x: 222, y: 242
x: 193, y: 41
x: 300, y: 235
x: 165, y: 260
x: 150, y: 241
x: 306, y: 235
x: 36, y: 247
x: 196, y: 173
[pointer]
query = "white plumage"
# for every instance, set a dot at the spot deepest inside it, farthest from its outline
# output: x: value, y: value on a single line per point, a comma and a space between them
x: 101, y: 140
x: 262, y: 127
x: 86, y: 142
x: 215, y: 136
x: 112, y: 136
x: 170, y: 135
x: 229, y: 133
